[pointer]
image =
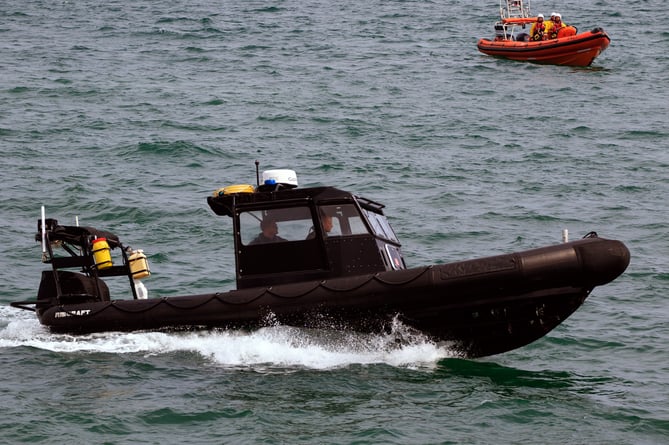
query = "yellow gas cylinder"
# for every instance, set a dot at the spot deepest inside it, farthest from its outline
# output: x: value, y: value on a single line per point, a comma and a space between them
x: 102, y: 253
x: 139, y: 265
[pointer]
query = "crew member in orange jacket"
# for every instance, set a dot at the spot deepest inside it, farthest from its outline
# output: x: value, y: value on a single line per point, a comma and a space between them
x: 555, y: 28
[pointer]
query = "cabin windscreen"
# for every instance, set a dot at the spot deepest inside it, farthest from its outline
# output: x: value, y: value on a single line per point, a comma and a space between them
x: 290, y: 224
x: 380, y: 225
x: 345, y: 218
x: 297, y: 223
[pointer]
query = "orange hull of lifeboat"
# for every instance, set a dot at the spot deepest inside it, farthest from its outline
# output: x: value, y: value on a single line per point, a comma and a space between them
x: 576, y: 50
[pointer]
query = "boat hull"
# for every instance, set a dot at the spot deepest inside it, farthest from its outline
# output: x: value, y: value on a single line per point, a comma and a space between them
x: 480, y: 307
x: 577, y: 50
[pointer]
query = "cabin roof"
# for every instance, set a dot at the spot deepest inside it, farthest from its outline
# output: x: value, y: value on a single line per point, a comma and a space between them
x: 224, y: 204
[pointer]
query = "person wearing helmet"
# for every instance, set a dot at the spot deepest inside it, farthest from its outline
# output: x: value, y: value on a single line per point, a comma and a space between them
x: 538, y: 29
x: 549, y: 24
x: 556, y: 26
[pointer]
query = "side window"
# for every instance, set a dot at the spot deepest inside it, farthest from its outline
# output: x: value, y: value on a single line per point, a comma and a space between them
x: 274, y: 225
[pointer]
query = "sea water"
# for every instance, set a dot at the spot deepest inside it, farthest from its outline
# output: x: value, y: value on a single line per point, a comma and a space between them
x: 128, y: 114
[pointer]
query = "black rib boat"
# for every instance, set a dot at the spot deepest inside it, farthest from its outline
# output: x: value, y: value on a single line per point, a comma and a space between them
x: 336, y: 263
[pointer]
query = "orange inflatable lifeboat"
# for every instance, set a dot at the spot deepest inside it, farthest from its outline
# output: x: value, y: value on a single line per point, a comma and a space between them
x: 511, y: 40
x: 569, y: 48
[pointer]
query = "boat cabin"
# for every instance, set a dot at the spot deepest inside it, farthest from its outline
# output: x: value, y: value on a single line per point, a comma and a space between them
x: 311, y: 233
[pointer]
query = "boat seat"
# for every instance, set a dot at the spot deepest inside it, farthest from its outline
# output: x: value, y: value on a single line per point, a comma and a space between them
x: 75, y: 287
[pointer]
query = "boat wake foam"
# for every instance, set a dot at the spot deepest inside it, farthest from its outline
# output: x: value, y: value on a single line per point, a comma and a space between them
x: 274, y: 348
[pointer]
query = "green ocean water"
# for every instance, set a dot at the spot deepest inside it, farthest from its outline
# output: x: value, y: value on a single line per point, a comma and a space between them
x: 128, y: 115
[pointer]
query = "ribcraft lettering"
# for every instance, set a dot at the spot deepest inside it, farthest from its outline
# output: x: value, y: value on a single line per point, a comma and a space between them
x: 72, y: 313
